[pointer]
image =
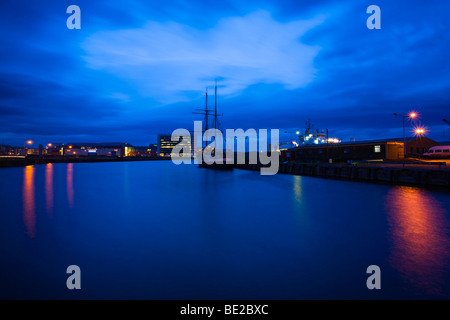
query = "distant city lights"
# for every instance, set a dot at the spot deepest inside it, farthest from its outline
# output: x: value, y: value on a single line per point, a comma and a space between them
x: 333, y: 140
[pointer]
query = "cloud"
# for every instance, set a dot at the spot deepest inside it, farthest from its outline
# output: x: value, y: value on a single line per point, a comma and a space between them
x: 166, y: 60
x: 139, y: 68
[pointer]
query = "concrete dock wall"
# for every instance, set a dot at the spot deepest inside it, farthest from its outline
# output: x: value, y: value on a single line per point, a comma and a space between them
x: 391, y: 175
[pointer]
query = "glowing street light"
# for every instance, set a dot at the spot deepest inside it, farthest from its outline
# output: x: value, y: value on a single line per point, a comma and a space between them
x: 28, y: 142
x: 419, y: 131
x: 411, y: 115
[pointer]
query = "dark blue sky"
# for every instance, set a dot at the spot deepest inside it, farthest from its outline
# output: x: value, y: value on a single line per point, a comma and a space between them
x: 139, y: 68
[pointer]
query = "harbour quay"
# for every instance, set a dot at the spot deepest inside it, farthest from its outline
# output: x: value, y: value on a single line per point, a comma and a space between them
x: 408, y: 174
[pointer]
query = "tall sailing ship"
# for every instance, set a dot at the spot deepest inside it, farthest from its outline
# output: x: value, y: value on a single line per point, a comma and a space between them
x: 218, y: 164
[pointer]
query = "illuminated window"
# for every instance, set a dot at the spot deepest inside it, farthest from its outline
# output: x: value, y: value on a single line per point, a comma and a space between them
x: 377, y: 148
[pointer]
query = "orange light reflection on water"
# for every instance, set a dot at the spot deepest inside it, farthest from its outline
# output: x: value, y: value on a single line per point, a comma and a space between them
x: 29, y: 209
x: 70, y: 192
x: 418, y: 232
x: 49, y: 188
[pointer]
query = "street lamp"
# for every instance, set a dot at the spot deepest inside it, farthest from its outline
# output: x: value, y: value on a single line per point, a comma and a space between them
x: 420, y: 131
x: 411, y: 115
x: 29, y: 142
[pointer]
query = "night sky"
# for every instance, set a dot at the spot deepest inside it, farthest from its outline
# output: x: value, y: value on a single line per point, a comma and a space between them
x: 139, y: 68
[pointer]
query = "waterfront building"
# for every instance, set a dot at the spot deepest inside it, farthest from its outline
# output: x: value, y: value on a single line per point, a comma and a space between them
x: 144, y: 151
x: 54, y: 149
x: 6, y: 150
x: 108, y: 149
x: 165, y: 145
x: 361, y: 150
x: 418, y: 146
x: 385, y: 149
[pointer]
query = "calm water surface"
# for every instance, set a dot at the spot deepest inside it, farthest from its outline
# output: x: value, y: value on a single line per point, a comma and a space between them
x: 153, y: 230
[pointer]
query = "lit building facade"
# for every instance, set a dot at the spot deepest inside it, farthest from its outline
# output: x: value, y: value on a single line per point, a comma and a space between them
x: 98, y: 149
x: 165, y: 145
x: 145, y: 151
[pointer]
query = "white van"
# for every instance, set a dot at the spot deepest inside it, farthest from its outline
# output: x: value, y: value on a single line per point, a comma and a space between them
x: 438, y: 152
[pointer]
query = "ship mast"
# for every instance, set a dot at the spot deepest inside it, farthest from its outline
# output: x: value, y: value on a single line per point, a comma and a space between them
x: 215, y: 106
x: 215, y: 115
x: 205, y: 112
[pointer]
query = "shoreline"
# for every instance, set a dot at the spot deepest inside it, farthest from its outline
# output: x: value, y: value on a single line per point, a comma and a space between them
x: 382, y: 174
x: 22, y: 162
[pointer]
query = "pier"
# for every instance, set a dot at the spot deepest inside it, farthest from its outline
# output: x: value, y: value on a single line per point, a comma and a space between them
x: 402, y: 174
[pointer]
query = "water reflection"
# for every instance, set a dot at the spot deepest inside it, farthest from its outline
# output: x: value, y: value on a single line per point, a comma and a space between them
x: 70, y: 192
x: 49, y: 188
x: 29, y: 209
x: 419, y: 235
x: 297, y: 188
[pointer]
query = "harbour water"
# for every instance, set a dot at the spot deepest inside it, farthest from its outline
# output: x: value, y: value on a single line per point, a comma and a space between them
x: 154, y: 230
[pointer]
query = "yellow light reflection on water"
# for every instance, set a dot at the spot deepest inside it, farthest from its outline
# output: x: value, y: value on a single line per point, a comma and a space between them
x: 29, y: 209
x: 419, y: 235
